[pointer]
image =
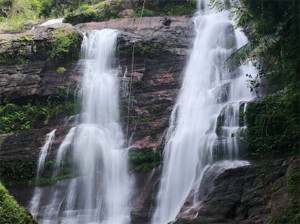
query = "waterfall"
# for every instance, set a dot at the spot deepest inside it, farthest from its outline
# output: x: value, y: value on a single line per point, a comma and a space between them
x: 34, y: 203
x: 208, y: 90
x: 100, y: 193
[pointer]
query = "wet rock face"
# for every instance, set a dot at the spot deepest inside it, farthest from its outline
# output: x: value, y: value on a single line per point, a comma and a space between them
x: 24, y: 147
x: 153, y: 75
x: 247, y: 194
x: 26, y: 63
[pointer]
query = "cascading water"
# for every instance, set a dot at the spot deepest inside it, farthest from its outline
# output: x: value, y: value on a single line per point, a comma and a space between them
x: 34, y: 203
x: 101, y: 191
x: 207, y: 88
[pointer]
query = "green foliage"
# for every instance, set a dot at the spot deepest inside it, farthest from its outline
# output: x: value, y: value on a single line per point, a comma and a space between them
x: 65, y: 46
x: 147, y: 118
x: 132, y: 118
x: 150, y: 50
x: 86, y: 13
x: 164, y: 8
x: 66, y: 171
x: 186, y: 8
x: 21, y: 173
x: 152, y: 133
x: 25, y: 173
x: 14, y: 118
x: 146, y: 13
x: 12, y: 58
x: 143, y: 161
x: 61, y: 70
x: 15, y: 13
x: 273, y: 125
x: 11, y: 212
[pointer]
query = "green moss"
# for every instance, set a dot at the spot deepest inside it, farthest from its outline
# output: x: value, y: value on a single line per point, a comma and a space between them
x: 147, y: 118
x: 22, y: 38
x: 65, y: 46
x: 143, y: 161
x: 11, y: 212
x: 132, y: 118
x: 61, y: 70
x: 146, y: 50
x: 152, y: 133
x: 170, y: 45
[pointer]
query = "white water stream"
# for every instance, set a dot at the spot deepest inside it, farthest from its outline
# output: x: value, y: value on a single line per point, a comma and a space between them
x: 35, y: 201
x: 101, y: 191
x: 207, y: 88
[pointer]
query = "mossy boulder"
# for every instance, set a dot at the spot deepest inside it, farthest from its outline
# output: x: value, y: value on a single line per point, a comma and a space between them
x: 105, y: 10
x: 11, y: 212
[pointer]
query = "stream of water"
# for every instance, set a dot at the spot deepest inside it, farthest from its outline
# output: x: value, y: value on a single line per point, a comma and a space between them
x: 208, y: 90
x: 100, y: 193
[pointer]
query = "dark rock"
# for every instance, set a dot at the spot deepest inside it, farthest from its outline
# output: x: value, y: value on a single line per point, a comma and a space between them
x: 32, y: 74
x: 245, y: 195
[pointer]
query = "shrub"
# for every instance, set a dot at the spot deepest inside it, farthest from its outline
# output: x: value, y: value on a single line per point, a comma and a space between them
x: 274, y: 125
x: 15, y: 118
x: 10, y: 211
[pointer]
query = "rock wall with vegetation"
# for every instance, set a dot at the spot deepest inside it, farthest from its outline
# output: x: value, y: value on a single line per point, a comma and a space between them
x: 38, y: 82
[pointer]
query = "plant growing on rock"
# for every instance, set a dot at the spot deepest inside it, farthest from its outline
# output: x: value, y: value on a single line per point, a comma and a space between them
x: 65, y: 46
x: 143, y: 161
x: 11, y: 212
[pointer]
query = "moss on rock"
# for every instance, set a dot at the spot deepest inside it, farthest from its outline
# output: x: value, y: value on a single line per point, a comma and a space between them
x: 11, y: 212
